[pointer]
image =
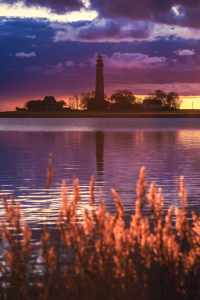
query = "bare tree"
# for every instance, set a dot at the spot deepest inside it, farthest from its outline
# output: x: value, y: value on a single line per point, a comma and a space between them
x: 76, y: 98
x: 74, y: 101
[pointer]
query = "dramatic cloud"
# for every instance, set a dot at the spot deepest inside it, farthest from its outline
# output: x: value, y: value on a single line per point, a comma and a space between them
x: 58, y: 6
x: 103, y: 30
x: 186, y: 13
x: 20, y: 10
x: 23, y: 54
x: 146, y: 45
x: 132, y: 60
x: 167, y: 31
x: 107, y: 30
x: 185, y: 52
x: 183, y: 13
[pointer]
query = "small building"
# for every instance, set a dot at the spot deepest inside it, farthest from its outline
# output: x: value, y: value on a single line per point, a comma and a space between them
x: 152, y: 104
x: 50, y: 103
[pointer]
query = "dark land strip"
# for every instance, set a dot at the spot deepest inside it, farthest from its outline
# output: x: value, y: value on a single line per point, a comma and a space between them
x: 85, y: 114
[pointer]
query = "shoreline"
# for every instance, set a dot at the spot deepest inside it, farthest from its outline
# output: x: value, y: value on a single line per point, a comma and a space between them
x: 59, y: 114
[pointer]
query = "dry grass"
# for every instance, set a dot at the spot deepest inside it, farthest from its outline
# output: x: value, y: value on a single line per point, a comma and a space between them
x: 98, y: 257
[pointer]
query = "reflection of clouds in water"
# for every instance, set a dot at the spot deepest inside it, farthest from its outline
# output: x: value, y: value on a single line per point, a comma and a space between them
x: 114, y: 157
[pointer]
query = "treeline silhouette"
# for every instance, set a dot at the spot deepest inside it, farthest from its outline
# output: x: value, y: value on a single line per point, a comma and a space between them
x: 124, y: 100
x: 121, y: 100
x: 49, y: 103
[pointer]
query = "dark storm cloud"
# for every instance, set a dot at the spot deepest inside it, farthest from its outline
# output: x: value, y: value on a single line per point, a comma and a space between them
x: 51, y: 57
x: 113, y: 29
x: 94, y: 31
x: 59, y: 6
x: 102, y: 30
x: 178, y: 12
x: 57, y: 67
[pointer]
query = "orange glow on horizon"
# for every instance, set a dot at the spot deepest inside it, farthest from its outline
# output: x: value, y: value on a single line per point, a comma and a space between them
x: 187, y: 101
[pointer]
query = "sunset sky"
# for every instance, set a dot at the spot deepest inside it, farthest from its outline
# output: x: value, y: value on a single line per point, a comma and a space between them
x: 49, y: 47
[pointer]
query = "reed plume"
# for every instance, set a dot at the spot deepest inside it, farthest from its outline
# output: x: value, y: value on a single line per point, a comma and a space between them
x: 96, y: 256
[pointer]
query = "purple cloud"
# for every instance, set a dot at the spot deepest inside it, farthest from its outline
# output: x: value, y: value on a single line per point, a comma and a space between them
x: 185, y: 52
x: 103, y: 30
x: 99, y: 29
x: 132, y: 60
x: 30, y: 36
x: 59, y: 6
x: 81, y: 65
x: 50, y: 69
x: 53, y: 69
x: 190, y: 64
x: 69, y: 63
x: 182, y: 12
x: 23, y: 54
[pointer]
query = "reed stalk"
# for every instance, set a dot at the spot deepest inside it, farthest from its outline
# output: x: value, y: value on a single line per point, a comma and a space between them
x: 98, y: 257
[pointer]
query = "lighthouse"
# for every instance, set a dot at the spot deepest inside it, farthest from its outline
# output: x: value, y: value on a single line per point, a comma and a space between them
x: 99, y: 91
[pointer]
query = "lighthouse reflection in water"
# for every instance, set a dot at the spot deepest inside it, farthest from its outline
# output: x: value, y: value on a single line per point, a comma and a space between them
x: 111, y: 150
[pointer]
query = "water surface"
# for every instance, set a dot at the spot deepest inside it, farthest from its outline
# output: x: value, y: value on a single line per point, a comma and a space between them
x: 113, y: 150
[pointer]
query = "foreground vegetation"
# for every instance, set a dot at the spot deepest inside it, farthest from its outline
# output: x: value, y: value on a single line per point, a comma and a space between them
x: 97, y: 257
x: 184, y: 113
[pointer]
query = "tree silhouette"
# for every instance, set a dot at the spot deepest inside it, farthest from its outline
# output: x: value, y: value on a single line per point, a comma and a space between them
x: 61, y: 103
x: 36, y: 105
x: 122, y: 99
x: 169, y: 101
x: 174, y: 100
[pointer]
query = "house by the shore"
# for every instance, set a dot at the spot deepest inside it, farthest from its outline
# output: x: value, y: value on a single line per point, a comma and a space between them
x: 152, y: 104
x: 50, y: 103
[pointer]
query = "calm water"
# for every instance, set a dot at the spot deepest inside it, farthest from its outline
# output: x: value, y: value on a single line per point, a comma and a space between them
x: 113, y: 150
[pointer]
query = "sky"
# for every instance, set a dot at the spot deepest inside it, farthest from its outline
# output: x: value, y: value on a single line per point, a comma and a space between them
x: 49, y: 47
